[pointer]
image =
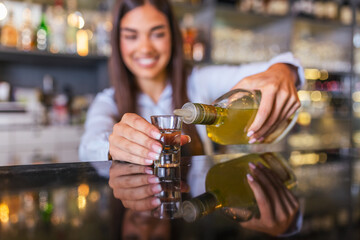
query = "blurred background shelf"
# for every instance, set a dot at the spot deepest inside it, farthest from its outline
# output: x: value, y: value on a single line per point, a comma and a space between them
x: 10, y: 55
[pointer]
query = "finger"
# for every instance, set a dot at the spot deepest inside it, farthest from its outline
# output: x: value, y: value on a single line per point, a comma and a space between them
x: 292, y: 105
x: 261, y: 198
x: 288, y: 198
x: 269, y: 187
x: 285, y: 204
x: 285, y: 196
x: 280, y: 102
x: 131, y: 181
x: 135, y: 135
x: 185, y: 139
x: 118, y: 154
x: 119, y: 169
x: 138, y: 193
x: 131, y: 148
x: 281, y: 120
x: 142, y: 205
x: 264, y: 111
x: 141, y: 124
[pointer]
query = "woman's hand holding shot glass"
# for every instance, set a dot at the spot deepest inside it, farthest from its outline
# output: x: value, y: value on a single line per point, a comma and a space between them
x: 136, y: 140
x: 136, y: 186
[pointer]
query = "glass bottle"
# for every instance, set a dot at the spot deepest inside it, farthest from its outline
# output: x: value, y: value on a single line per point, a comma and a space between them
x: 42, y: 32
x: 9, y: 34
x: 26, y: 32
x: 71, y: 27
x: 227, y: 187
x: 58, y: 27
x: 230, y: 116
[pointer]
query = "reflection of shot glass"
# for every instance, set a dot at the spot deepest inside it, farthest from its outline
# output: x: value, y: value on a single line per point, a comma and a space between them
x: 170, y: 196
x: 170, y: 129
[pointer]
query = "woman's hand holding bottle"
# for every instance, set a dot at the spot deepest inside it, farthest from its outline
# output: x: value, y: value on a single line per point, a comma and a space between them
x: 279, y: 98
x: 136, y: 140
x: 277, y: 205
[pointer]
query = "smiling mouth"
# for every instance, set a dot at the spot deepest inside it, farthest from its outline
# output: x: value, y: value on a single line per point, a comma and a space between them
x: 147, y: 62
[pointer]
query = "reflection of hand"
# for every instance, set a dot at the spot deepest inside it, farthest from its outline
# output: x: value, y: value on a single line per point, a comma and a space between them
x: 135, y: 140
x: 277, y: 205
x: 134, y: 185
x: 279, y: 98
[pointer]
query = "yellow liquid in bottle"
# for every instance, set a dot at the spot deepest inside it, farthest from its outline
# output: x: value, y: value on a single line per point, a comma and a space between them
x: 232, y: 127
x: 228, y: 180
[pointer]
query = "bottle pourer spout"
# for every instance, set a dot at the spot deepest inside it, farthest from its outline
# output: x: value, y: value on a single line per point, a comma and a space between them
x: 183, y: 113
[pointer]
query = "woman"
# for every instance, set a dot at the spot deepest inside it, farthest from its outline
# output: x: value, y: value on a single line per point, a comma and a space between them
x: 149, y: 77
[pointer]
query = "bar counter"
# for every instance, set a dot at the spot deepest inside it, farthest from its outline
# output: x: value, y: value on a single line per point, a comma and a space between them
x: 74, y: 201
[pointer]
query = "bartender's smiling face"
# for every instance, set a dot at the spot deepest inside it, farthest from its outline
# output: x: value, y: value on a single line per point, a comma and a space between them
x: 145, y: 42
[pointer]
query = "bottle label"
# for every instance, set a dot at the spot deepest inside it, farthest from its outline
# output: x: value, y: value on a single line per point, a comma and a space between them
x: 207, y: 114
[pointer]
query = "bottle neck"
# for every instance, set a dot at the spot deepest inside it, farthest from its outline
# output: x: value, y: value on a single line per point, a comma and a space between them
x: 205, y: 114
x: 198, y: 113
x: 199, y: 206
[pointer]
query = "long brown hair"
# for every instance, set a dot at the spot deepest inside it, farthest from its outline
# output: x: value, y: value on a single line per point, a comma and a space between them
x: 124, y: 82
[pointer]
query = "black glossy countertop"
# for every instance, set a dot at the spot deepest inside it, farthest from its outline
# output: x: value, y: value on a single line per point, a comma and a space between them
x: 74, y: 201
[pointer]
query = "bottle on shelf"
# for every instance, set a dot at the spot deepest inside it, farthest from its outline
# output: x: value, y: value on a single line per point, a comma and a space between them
x: 189, y: 33
x: 73, y: 24
x: 227, y: 187
x: 103, y: 29
x: 9, y: 34
x: 57, y: 25
x: 42, y: 32
x: 346, y: 16
x: 230, y: 116
x: 26, y: 32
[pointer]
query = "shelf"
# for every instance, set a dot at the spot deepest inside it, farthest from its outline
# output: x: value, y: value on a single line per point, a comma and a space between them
x: 82, y: 4
x: 9, y: 55
x: 322, y: 22
x: 180, y: 9
x: 232, y: 17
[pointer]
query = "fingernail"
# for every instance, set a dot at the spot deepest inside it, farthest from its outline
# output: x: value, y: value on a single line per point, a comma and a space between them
x: 149, y: 171
x: 261, y: 139
x: 156, y: 188
x: 189, y: 139
x: 260, y: 165
x: 154, y: 156
x: 157, y: 148
x: 156, y: 135
x: 149, y: 162
x: 156, y: 202
x: 252, y: 166
x: 251, y: 179
x: 251, y: 141
x: 250, y: 133
x: 153, y: 180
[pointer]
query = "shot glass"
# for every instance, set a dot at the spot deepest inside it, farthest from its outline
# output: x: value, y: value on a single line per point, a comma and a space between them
x: 170, y: 196
x: 170, y: 129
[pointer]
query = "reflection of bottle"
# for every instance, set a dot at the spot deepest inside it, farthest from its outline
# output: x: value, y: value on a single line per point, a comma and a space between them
x: 227, y: 187
x: 9, y: 34
x: 170, y: 196
x: 229, y: 118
